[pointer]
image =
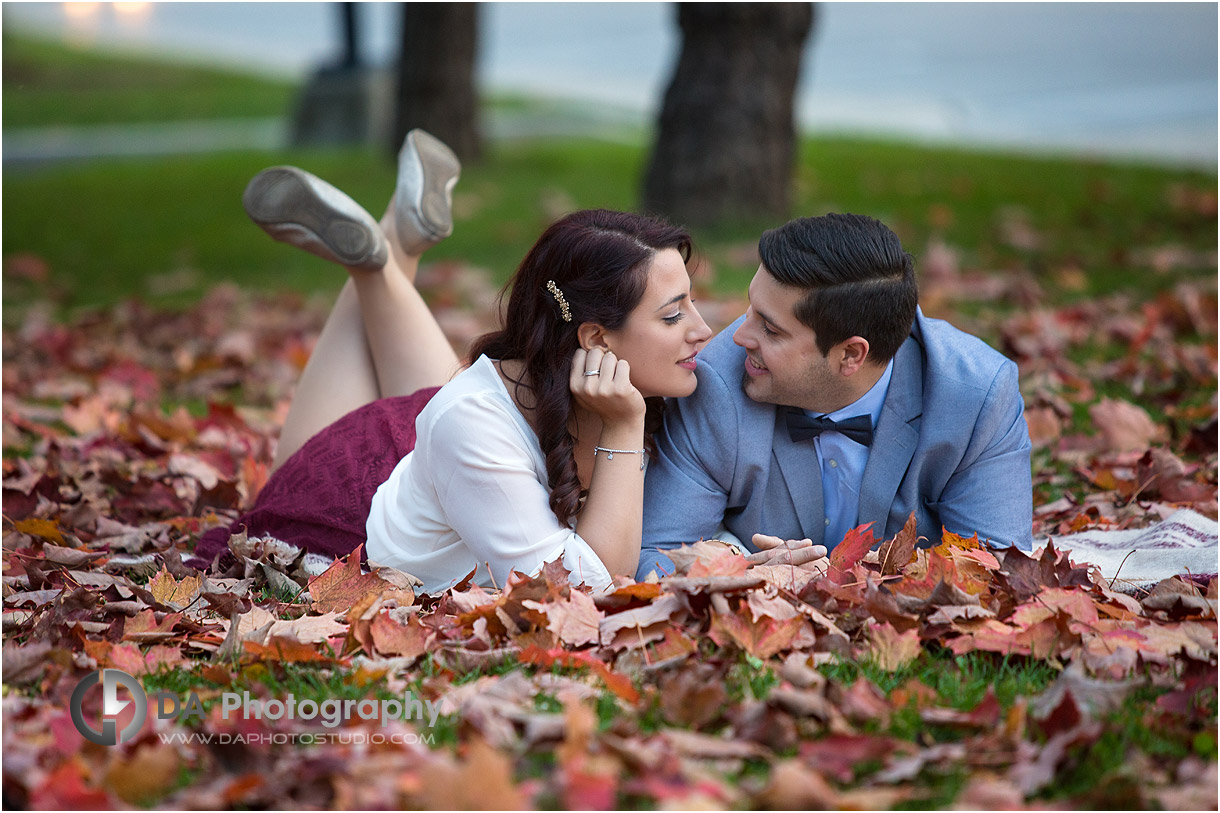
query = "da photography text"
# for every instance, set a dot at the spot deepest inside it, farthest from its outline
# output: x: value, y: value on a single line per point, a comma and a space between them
x: 331, y: 713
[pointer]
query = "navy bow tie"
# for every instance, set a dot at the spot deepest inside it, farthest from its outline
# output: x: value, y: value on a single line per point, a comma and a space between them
x: 802, y: 427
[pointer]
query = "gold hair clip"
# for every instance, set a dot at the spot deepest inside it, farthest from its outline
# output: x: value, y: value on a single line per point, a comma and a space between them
x: 564, y: 310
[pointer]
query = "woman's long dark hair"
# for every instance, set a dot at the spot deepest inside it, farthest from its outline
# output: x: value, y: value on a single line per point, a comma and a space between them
x: 599, y: 259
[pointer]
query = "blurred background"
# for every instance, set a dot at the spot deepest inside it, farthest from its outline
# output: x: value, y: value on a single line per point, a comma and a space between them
x: 1019, y: 137
x: 1051, y: 166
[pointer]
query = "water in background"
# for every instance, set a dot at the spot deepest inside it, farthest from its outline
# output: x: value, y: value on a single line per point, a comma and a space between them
x: 1134, y: 79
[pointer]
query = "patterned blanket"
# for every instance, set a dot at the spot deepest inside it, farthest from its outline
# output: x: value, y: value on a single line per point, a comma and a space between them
x: 1184, y: 544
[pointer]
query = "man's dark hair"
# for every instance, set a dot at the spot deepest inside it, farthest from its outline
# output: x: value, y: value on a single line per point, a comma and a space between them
x: 858, y: 279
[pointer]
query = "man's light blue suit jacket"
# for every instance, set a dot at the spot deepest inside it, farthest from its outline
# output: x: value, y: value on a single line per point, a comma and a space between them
x: 951, y: 445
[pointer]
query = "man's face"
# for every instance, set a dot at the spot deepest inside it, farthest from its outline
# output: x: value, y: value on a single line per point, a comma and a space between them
x: 783, y: 362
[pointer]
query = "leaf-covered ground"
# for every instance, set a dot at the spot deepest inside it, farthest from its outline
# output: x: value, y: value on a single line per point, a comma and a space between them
x: 950, y: 676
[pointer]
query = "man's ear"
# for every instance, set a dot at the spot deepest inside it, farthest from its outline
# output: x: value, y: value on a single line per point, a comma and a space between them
x: 592, y: 335
x: 852, y: 353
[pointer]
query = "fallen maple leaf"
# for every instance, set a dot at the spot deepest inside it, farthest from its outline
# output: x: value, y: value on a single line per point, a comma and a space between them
x: 847, y: 553
x: 890, y: 649
x: 576, y: 621
x: 392, y: 638
x: 145, y: 775
x: 343, y: 584
x: 616, y: 682
x: 762, y: 639
x: 172, y: 592
x: 45, y: 528
x: 897, y: 553
x: 1124, y: 427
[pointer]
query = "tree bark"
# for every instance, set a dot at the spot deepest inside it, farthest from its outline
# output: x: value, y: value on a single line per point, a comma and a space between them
x: 435, y: 81
x: 726, y: 137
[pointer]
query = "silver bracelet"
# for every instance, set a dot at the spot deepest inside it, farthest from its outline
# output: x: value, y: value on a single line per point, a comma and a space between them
x: 610, y: 453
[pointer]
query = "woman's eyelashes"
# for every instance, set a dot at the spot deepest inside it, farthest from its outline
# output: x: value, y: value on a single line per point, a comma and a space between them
x: 675, y: 319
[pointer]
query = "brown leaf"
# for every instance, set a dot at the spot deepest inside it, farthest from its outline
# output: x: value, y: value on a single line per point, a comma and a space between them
x: 172, y: 592
x: 190, y: 466
x: 343, y: 584
x: 776, y: 608
x: 145, y: 775
x: 692, y: 697
x: 483, y: 780
x: 793, y: 786
x: 839, y: 755
x: 762, y: 638
x: 576, y: 621
x: 784, y: 577
x: 1124, y: 427
x: 658, y: 611
x: 890, y: 649
x: 262, y: 626
x: 897, y: 553
x: 24, y: 664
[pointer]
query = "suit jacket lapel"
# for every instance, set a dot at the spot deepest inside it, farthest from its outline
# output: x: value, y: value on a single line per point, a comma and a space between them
x: 798, y: 464
x: 896, y: 436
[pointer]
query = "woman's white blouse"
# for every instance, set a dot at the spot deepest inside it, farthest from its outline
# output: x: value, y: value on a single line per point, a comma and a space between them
x: 473, y: 495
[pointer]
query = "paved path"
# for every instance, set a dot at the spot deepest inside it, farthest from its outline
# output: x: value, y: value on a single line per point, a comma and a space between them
x: 35, y: 146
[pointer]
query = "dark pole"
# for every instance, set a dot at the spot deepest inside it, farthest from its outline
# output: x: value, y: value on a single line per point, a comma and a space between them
x: 351, y: 35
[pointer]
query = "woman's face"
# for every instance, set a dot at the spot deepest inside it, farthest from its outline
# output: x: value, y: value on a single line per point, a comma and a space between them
x: 662, y: 335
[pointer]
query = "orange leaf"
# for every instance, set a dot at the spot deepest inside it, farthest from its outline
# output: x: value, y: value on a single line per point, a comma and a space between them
x: 616, y: 682
x: 343, y: 584
x: 950, y: 540
x: 284, y: 650
x: 392, y: 638
x: 144, y: 627
x: 65, y: 789
x: 848, y: 552
x: 45, y: 528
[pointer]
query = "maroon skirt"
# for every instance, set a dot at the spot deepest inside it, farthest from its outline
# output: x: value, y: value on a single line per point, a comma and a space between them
x: 319, y: 499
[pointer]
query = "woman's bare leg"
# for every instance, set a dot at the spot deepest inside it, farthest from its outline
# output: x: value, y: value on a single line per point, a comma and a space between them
x: 408, y: 347
x: 380, y: 340
x: 338, y: 377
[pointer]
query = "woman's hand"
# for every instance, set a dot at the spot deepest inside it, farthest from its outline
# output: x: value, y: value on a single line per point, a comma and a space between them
x: 608, y: 392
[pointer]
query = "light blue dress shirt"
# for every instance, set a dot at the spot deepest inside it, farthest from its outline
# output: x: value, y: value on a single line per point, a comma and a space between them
x: 843, y: 461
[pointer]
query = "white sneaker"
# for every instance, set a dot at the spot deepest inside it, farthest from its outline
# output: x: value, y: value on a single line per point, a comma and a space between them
x: 303, y: 210
x: 423, y: 198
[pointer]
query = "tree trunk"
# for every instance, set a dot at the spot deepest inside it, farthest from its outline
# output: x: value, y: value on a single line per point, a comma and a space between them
x: 726, y: 137
x: 435, y: 83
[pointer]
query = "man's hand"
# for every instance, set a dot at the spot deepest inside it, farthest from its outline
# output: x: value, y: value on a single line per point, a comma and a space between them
x: 800, y: 553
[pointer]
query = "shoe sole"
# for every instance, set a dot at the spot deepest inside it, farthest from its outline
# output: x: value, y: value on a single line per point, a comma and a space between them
x: 281, y: 197
x: 440, y: 170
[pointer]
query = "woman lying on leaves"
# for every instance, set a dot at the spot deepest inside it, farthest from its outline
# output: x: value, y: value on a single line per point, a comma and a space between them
x: 533, y: 452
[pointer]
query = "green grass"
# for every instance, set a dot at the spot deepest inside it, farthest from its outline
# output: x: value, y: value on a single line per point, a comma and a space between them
x: 167, y: 229
x: 48, y: 84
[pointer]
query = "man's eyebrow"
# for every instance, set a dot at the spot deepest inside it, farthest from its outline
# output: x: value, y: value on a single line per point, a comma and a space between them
x: 768, y: 319
x: 671, y: 301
